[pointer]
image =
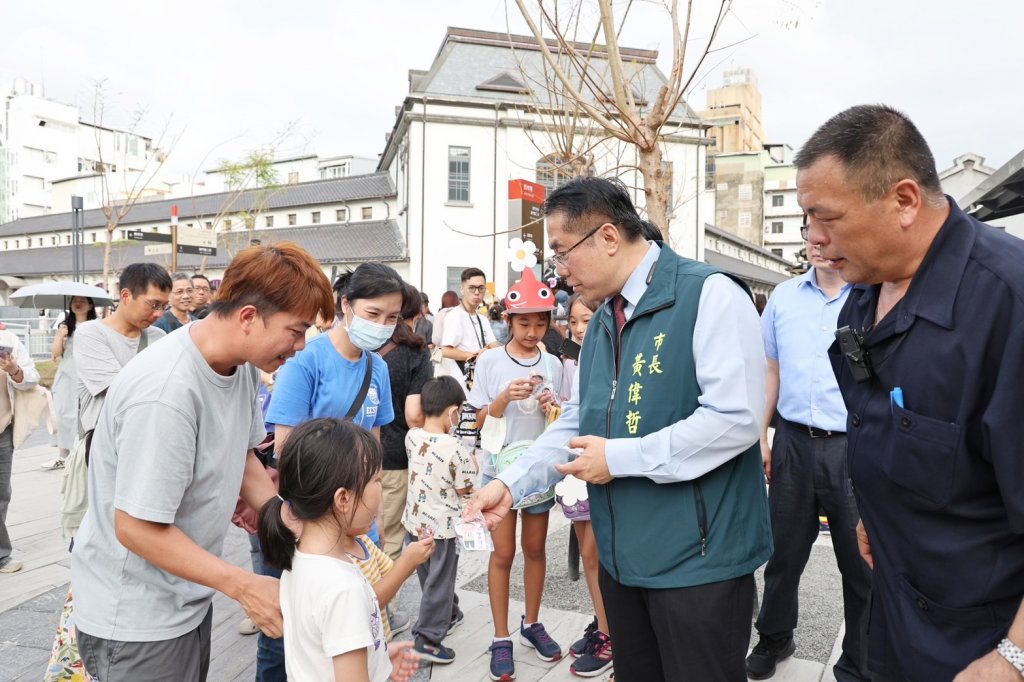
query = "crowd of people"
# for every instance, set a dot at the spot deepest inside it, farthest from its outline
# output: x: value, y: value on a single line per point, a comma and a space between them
x: 889, y: 372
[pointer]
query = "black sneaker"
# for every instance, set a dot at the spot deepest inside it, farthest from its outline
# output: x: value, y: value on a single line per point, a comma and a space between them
x: 433, y: 652
x: 767, y: 652
x: 579, y: 647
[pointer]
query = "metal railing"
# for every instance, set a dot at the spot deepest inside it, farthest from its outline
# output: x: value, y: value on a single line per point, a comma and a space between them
x: 35, y: 333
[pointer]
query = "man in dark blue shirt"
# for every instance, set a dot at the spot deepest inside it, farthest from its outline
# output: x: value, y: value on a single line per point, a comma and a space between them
x: 931, y: 373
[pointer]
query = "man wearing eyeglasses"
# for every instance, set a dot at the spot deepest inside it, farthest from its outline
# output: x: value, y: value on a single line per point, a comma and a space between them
x: 466, y: 332
x: 201, y: 293
x: 663, y: 425
x: 103, y: 347
x: 180, y: 311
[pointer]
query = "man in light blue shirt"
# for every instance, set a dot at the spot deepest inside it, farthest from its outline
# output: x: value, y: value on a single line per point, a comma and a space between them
x: 806, y: 466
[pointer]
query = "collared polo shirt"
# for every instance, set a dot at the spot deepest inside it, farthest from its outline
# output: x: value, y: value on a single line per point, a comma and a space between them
x: 940, y: 480
x: 798, y: 326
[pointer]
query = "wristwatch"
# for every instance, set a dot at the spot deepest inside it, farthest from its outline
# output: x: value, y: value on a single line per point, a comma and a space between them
x: 1012, y: 653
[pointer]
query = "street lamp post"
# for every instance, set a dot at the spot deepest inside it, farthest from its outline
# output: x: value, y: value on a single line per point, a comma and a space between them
x: 77, y: 257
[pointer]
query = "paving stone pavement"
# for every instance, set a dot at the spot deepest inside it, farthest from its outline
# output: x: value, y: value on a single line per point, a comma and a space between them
x: 30, y: 601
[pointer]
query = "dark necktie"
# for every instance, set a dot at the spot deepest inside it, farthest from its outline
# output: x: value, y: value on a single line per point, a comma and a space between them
x: 619, y: 310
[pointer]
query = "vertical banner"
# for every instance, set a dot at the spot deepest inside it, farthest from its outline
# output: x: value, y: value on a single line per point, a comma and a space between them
x: 526, y: 224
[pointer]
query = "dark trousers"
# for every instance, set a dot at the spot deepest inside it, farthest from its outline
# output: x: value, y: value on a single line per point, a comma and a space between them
x: 270, y: 651
x: 696, y: 633
x: 182, y: 659
x: 808, y: 473
x: 439, y: 602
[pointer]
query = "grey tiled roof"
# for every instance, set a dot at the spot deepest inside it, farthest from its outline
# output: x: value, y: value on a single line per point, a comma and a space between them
x: 330, y: 244
x: 354, y: 188
x: 471, y: 58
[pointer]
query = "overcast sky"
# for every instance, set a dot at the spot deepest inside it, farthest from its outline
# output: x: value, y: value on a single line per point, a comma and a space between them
x: 231, y: 76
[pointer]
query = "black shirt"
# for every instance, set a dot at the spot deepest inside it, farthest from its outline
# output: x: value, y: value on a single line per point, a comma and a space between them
x: 409, y: 369
x: 940, y: 481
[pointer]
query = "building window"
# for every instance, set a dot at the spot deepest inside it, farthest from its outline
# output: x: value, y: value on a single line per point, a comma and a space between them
x: 293, y: 178
x: 292, y: 218
x: 124, y: 234
x: 67, y: 239
x: 314, y: 217
x: 268, y: 221
x: 53, y: 242
x: 341, y: 215
x: 746, y: 192
x: 41, y: 241
x: 776, y: 227
x: 744, y: 219
x: 92, y: 236
x: 777, y: 199
x: 458, y: 174
x: 227, y: 223
x: 777, y: 252
x: 209, y: 225
x: 722, y: 187
x: 17, y: 243
x: 553, y: 172
x: 5, y: 244
x: 709, y: 172
x: 368, y: 212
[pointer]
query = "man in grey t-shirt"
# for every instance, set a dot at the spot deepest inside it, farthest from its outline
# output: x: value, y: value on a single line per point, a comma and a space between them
x: 171, y: 453
x: 103, y: 347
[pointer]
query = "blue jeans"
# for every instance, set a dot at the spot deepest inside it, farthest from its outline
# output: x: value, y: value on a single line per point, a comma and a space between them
x: 270, y: 651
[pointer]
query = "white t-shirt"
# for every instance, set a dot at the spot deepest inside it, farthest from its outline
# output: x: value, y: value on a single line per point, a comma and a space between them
x: 329, y: 609
x: 465, y: 332
x: 495, y: 370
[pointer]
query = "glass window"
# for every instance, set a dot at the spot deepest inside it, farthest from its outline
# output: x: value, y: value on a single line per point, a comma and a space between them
x: 314, y: 217
x: 777, y: 199
x: 341, y: 215
x: 268, y: 221
x: 367, y: 212
x: 458, y: 174
x: 292, y: 218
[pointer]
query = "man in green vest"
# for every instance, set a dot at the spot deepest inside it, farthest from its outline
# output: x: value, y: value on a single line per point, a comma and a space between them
x: 664, y: 428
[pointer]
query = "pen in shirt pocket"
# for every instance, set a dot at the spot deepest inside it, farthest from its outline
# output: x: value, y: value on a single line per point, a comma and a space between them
x: 896, y: 395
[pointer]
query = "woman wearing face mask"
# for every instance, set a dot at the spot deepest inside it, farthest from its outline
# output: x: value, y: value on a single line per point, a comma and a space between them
x: 326, y: 378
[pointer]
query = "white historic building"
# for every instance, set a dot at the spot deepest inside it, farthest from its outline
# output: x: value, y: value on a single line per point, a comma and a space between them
x: 476, y: 120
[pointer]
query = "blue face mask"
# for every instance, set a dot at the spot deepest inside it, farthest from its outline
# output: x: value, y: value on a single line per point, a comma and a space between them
x: 366, y: 335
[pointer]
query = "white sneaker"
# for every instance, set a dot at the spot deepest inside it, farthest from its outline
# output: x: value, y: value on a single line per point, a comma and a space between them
x: 247, y: 627
x: 10, y: 565
x: 51, y: 466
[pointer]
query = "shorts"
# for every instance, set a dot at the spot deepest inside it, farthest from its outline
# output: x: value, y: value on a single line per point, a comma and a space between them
x: 542, y: 508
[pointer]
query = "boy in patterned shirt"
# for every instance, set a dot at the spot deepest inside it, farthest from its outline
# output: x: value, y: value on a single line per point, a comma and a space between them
x: 441, y: 471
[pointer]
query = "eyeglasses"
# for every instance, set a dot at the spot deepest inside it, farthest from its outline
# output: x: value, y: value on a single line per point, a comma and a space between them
x: 154, y: 305
x: 202, y: 290
x: 476, y: 289
x: 183, y: 292
x: 562, y: 259
x: 805, y: 232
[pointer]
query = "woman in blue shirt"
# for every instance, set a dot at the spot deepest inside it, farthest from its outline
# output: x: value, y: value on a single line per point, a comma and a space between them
x: 325, y: 378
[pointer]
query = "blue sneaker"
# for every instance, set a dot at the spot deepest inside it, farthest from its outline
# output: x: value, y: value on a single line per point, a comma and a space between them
x: 538, y: 638
x: 503, y: 668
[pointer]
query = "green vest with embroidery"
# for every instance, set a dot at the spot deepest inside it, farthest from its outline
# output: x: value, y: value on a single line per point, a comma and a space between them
x: 666, y: 535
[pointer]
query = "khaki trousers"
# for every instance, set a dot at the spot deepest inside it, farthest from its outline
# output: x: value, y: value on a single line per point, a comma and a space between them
x: 396, y: 485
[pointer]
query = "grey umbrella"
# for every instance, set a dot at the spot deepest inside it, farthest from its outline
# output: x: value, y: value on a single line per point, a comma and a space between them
x: 57, y: 295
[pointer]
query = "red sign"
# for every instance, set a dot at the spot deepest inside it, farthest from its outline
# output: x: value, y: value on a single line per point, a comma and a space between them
x: 526, y: 190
